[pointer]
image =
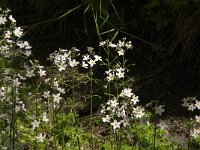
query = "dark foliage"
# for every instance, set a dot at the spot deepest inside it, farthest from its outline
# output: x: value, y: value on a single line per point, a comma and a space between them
x: 165, y: 34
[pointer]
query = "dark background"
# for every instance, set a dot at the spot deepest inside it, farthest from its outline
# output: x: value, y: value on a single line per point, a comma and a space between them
x: 165, y: 34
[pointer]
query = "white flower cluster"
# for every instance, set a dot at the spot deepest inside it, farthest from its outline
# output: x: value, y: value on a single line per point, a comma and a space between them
x: 64, y: 58
x: 157, y: 109
x: 10, y: 34
x: 191, y: 103
x: 119, y: 112
x: 120, y: 47
x: 117, y: 73
x: 195, y: 132
x: 36, y: 124
x: 34, y: 69
x: 89, y: 60
x: 41, y: 137
x: 3, y: 16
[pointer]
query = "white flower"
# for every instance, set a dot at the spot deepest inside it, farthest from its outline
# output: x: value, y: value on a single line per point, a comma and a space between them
x: 120, y: 43
x: 73, y: 63
x: 2, y: 20
x: 21, y: 77
x: 84, y: 65
x: 134, y: 99
x: 35, y: 124
x: 8, y: 34
x: 20, y: 44
x: 112, y: 45
x: 187, y: 101
x: 12, y: 19
x: 42, y: 73
x: 56, y: 98
x: 16, y: 82
x: 116, y: 124
x: 40, y: 137
x: 163, y: 124
x: 46, y: 94
x: 129, y: 45
x: 56, y: 84
x: 18, y: 31
x: 27, y: 53
x: 125, y: 122
x: 47, y: 80
x: 191, y: 107
x: 159, y: 110
x: 197, y: 119
x: 120, y: 52
x: 44, y: 117
x: 61, y: 66
x: 195, y: 133
x: 127, y: 92
x: 86, y: 57
x: 91, y: 62
x: 121, y: 112
x: 29, y: 73
x: 102, y: 43
x: 138, y: 112
x: 61, y: 90
x: 197, y: 104
x: 113, y: 103
x: 120, y: 72
x: 106, y: 119
x: 102, y: 111
x: 110, y: 74
x: 97, y: 58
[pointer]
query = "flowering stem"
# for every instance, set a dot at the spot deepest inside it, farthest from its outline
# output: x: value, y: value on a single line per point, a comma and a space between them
x: 154, y: 135
x: 63, y: 141
x: 123, y: 62
x: 54, y: 126
x: 74, y: 112
x: 91, y: 105
x: 36, y: 112
x: 189, y: 127
x: 13, y: 121
x: 108, y: 69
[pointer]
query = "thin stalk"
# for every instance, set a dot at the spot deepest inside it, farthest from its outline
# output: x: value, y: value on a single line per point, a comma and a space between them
x: 63, y: 104
x: 189, y: 127
x: 123, y: 62
x: 116, y: 141
x: 36, y: 111
x: 91, y: 105
x: 13, y: 121
x: 109, y: 87
x: 53, y: 119
x: 74, y: 111
x: 154, y: 136
x: 108, y: 69
x: 36, y: 106
x: 63, y: 140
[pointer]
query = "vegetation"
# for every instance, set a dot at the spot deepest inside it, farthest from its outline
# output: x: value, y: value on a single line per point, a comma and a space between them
x: 108, y: 91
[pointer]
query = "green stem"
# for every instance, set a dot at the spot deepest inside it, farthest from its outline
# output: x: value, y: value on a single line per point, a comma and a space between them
x: 189, y: 127
x: 53, y: 119
x: 13, y: 121
x: 91, y: 105
x: 36, y: 110
x: 154, y: 136
x: 74, y: 111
